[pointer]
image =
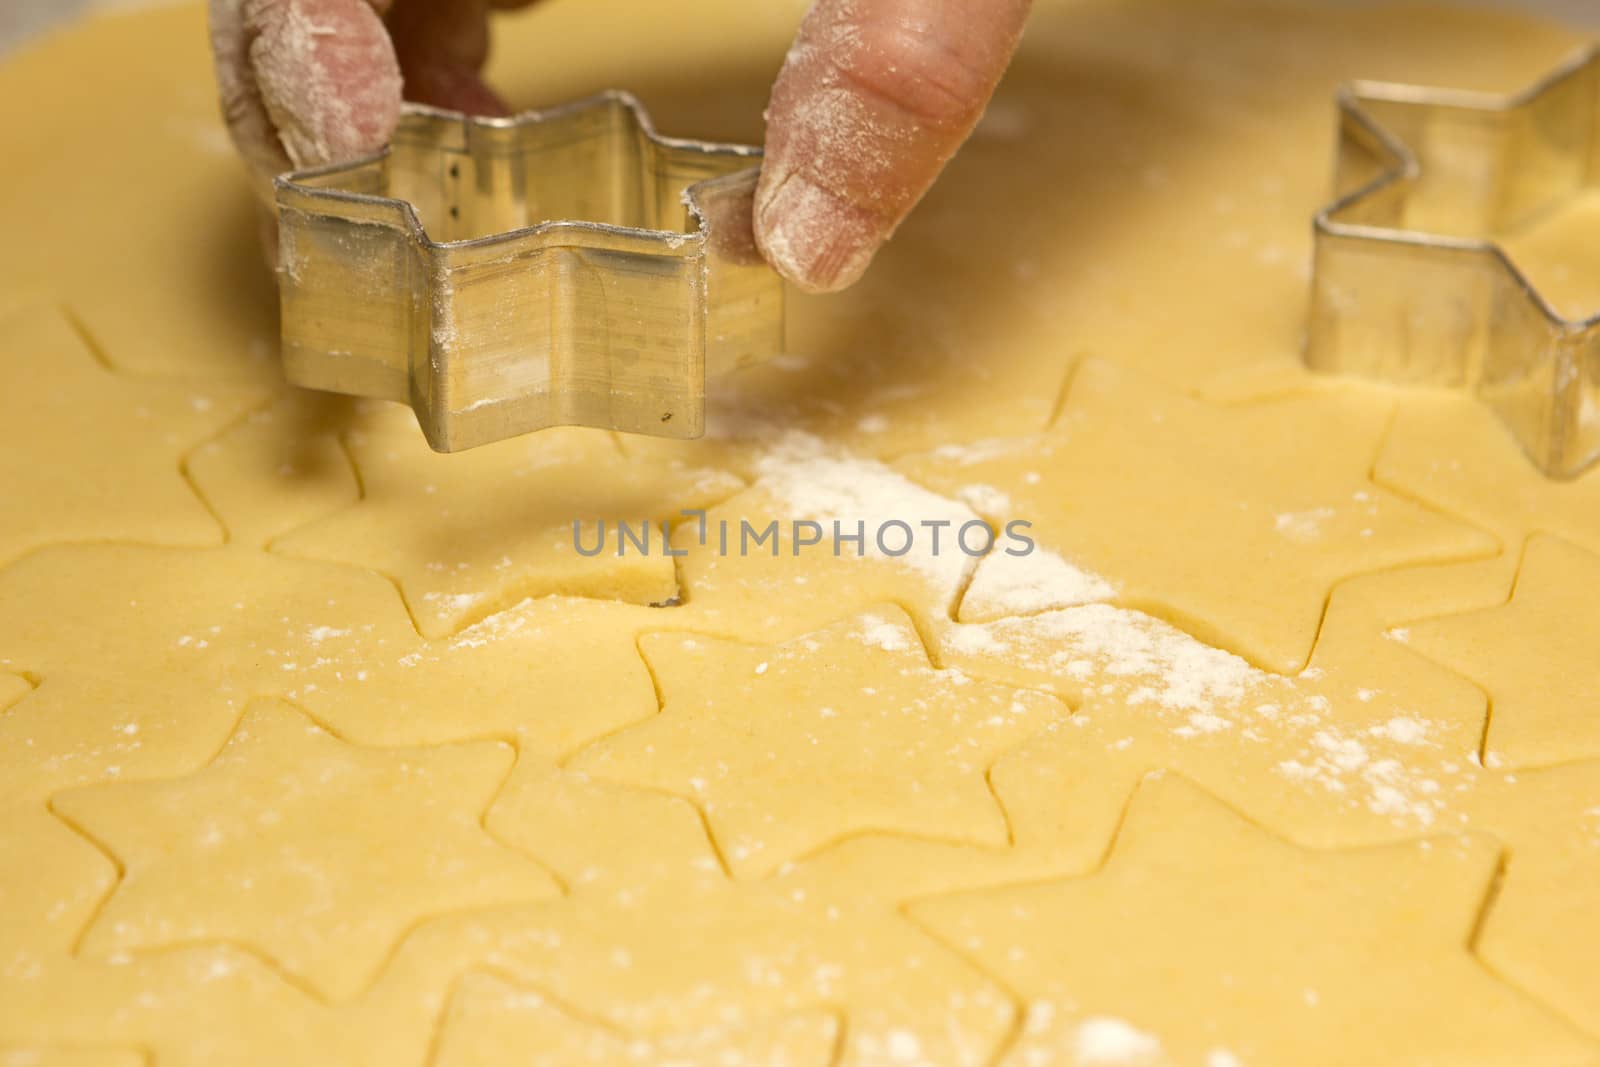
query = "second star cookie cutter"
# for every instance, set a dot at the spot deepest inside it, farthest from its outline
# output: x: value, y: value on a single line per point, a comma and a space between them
x: 1409, y: 285
x: 562, y: 267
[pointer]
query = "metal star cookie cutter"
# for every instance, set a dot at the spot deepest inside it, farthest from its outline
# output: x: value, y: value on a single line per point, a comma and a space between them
x: 563, y: 267
x: 1409, y: 285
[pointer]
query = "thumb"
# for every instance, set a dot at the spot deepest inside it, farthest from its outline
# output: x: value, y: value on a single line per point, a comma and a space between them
x: 873, y: 100
x: 305, y: 82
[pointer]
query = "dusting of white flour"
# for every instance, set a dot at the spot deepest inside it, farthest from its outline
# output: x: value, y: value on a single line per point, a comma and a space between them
x: 1007, y: 584
x: 1194, y: 691
x: 810, y: 481
x: 1103, y: 1039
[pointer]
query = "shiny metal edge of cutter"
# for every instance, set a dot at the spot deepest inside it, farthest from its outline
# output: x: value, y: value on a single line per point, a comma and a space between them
x: 561, y: 267
x: 1408, y: 285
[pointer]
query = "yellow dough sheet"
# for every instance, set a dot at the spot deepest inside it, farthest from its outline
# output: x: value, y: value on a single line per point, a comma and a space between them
x: 1281, y: 745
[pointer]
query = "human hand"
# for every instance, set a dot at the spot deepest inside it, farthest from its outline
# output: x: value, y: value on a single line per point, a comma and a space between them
x: 872, y: 101
x: 310, y: 82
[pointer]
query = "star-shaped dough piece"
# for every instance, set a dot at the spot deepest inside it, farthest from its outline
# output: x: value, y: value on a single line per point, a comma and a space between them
x: 467, y: 535
x: 146, y: 657
x: 846, y: 730
x: 1204, y: 939
x: 1243, y: 557
x: 492, y: 1022
x: 1535, y: 656
x: 1540, y: 932
x: 317, y: 853
x: 89, y: 455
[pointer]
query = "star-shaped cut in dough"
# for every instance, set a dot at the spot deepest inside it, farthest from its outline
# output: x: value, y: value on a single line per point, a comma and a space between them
x: 1449, y: 451
x: 467, y: 535
x: 655, y: 938
x: 138, y: 681
x: 554, y: 674
x: 51, y: 883
x: 1367, y: 745
x: 314, y: 852
x: 90, y: 455
x: 12, y: 689
x: 1535, y: 655
x: 1204, y: 939
x: 198, y: 1005
x: 491, y: 1022
x: 1243, y: 557
x: 846, y: 730
x: 280, y: 469
x: 1540, y: 933
x: 146, y: 657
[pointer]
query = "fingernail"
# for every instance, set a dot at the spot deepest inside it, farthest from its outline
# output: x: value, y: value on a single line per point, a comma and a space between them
x: 814, y: 238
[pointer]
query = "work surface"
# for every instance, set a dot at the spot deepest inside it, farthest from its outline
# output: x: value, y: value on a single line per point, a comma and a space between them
x: 1281, y: 747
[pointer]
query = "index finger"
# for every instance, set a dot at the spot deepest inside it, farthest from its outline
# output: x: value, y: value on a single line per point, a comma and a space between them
x: 873, y: 100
